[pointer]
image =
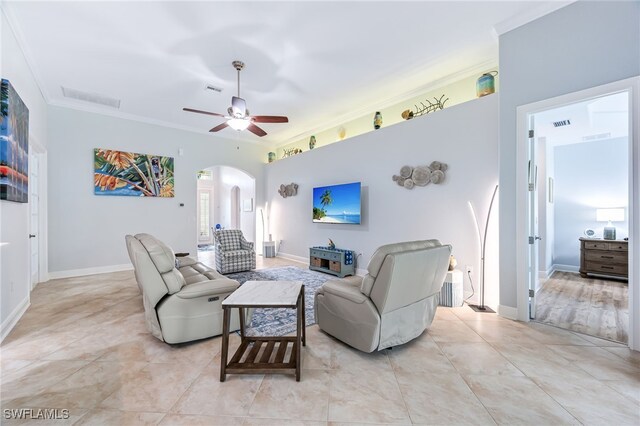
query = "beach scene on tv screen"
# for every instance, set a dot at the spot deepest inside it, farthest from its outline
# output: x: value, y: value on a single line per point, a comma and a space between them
x: 337, y: 204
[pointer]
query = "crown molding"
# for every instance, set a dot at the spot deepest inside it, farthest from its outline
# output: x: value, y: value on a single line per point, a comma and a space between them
x: 396, y: 99
x: 142, y: 119
x: 529, y: 16
x: 31, y: 64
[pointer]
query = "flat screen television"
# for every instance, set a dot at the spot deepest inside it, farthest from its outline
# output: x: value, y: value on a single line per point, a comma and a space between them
x: 337, y: 204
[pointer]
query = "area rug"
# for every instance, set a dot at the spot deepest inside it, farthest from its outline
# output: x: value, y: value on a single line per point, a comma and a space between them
x: 281, y: 321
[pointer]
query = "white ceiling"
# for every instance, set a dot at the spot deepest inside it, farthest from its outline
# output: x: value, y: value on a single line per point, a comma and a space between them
x: 593, y: 119
x: 316, y: 62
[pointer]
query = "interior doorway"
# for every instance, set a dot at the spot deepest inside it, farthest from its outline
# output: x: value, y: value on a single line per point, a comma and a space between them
x: 225, y: 199
x: 34, y: 218
x: 579, y: 153
x: 582, y: 157
x: 38, y: 261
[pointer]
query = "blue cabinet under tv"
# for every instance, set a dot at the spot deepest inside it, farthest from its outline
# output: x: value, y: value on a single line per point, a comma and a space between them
x: 332, y: 261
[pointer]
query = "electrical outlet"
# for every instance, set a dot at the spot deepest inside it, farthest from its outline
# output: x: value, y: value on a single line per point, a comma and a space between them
x: 468, y: 269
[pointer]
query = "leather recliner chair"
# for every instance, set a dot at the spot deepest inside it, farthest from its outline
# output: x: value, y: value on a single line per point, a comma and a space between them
x: 182, y: 299
x: 391, y: 305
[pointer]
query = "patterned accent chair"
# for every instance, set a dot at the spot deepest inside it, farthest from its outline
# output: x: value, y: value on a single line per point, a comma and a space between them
x: 233, y: 252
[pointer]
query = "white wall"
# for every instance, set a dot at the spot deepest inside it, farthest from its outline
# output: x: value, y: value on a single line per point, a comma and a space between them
x: 464, y: 136
x: 589, y: 175
x: 86, y: 232
x: 14, y: 217
x: 583, y: 45
x: 225, y: 178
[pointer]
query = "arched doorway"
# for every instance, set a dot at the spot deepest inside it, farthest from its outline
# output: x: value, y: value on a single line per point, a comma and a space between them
x: 230, y: 203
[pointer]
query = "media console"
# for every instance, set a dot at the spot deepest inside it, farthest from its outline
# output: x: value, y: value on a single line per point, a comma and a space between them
x: 332, y: 261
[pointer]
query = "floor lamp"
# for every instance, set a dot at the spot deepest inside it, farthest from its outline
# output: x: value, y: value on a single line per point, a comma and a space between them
x: 483, y: 246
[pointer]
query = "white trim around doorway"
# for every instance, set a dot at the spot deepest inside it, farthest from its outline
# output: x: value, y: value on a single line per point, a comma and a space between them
x: 632, y: 86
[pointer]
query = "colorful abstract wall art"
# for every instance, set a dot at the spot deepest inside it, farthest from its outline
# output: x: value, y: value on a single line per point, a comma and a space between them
x: 14, y: 145
x: 131, y: 174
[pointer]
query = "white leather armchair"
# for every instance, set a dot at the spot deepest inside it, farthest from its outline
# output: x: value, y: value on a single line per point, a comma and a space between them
x: 393, y: 304
x: 182, y: 299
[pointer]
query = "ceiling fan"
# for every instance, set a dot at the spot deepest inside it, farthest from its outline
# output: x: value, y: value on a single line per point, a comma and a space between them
x: 239, y: 118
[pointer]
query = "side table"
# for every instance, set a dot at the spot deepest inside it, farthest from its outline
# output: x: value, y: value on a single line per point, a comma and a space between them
x: 249, y: 359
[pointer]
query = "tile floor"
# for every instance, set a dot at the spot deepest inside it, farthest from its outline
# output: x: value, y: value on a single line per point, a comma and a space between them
x: 83, y: 346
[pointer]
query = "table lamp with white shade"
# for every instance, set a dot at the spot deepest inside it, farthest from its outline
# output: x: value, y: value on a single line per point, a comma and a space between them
x: 610, y: 215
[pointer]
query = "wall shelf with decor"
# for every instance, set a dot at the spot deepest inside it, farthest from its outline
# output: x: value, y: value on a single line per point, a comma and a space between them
x: 332, y: 261
x: 456, y: 88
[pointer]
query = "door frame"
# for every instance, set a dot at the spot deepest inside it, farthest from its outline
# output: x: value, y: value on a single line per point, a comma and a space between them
x: 40, y: 151
x: 631, y: 86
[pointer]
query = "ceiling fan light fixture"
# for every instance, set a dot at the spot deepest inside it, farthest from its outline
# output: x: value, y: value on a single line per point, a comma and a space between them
x: 238, y: 124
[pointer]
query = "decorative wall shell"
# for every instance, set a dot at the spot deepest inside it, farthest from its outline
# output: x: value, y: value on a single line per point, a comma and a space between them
x: 288, y: 190
x: 421, y: 175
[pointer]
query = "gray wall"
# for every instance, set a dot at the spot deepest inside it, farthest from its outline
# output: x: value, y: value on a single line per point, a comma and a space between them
x: 583, y: 45
x: 589, y: 175
x: 463, y: 136
x: 87, y: 231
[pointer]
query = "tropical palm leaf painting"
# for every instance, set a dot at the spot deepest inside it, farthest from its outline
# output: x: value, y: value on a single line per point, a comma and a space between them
x: 14, y: 145
x: 131, y: 174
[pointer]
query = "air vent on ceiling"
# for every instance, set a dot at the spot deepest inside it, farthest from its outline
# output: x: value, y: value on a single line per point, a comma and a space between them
x: 90, y: 97
x: 561, y: 123
x: 213, y: 88
x: 596, y: 137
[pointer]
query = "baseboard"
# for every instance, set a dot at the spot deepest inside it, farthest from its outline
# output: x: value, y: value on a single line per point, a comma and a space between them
x: 13, y: 318
x: 508, y: 312
x: 565, y: 268
x: 90, y: 271
x: 300, y: 259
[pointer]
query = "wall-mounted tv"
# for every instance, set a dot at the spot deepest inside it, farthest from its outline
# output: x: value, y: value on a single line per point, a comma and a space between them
x: 337, y: 204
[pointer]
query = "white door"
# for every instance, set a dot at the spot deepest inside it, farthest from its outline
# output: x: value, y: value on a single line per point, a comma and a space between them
x: 532, y: 218
x: 34, y: 205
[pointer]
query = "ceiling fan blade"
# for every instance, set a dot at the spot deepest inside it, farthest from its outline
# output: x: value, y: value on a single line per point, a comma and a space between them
x: 239, y: 106
x: 219, y: 127
x: 202, y: 112
x: 256, y: 130
x: 269, y: 119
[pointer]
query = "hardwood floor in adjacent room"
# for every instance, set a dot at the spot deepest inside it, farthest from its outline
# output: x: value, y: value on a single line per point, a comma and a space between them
x: 594, y: 306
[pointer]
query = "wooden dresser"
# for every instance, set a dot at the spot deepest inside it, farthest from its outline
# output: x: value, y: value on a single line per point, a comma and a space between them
x: 604, y: 257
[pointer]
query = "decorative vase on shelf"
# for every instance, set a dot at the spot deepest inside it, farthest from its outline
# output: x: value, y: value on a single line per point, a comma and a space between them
x: 486, y: 84
x: 272, y: 157
x: 377, y: 120
x: 312, y: 142
x: 332, y: 245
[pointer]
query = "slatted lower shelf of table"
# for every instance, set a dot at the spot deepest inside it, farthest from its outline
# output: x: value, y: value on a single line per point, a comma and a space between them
x: 259, y: 354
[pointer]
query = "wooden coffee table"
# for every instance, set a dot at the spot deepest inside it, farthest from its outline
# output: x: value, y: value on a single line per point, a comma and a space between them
x: 249, y: 359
